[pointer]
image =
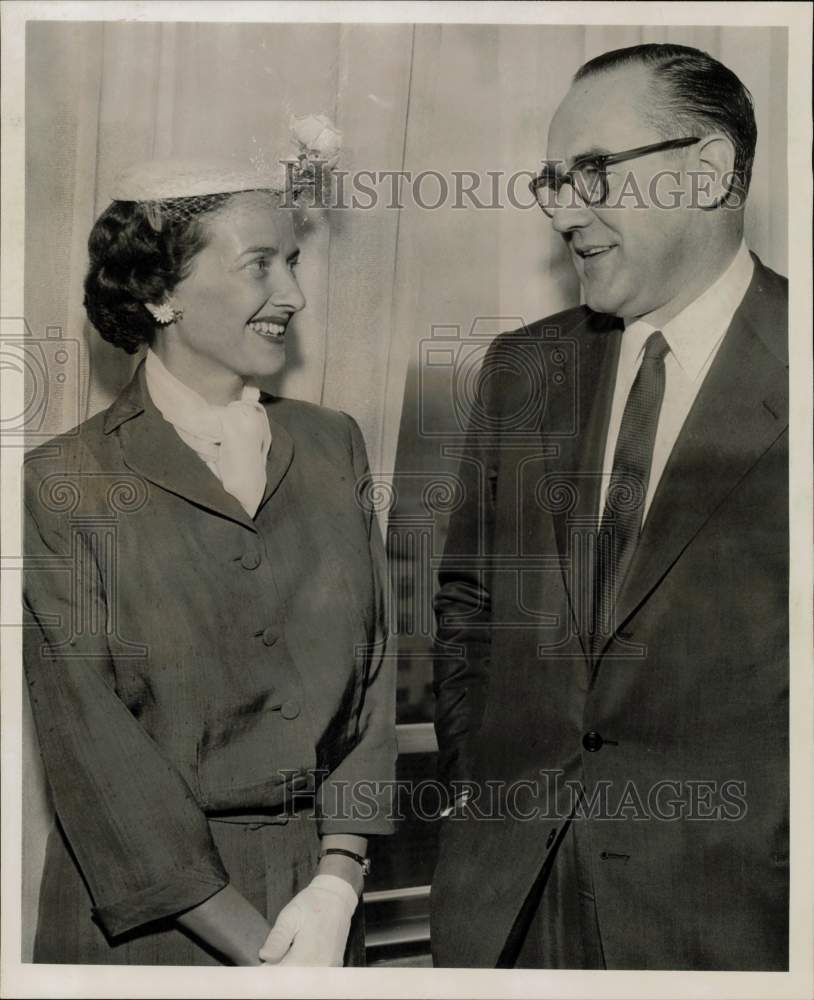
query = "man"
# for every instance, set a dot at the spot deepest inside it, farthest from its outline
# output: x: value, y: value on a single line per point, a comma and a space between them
x: 612, y: 656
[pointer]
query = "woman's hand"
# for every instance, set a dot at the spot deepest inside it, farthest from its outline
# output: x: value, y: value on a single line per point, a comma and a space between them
x: 313, y: 928
x: 230, y: 924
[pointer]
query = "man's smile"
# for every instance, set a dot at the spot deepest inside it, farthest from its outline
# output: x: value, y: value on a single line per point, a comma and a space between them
x: 593, y: 251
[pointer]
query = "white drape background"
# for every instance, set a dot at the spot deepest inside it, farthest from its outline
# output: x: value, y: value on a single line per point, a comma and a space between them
x: 426, y: 97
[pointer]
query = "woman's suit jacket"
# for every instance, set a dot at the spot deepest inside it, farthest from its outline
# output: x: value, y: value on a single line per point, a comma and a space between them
x: 677, y: 728
x: 185, y: 660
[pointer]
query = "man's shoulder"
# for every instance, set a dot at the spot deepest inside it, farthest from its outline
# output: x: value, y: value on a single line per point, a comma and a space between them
x: 769, y: 281
x: 765, y: 308
x: 576, y: 322
x: 565, y: 321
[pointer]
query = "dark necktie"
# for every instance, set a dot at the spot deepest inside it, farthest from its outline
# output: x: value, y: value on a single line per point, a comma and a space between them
x: 624, y: 504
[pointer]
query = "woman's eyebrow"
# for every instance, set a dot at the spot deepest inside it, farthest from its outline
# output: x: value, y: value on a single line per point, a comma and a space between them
x: 270, y: 251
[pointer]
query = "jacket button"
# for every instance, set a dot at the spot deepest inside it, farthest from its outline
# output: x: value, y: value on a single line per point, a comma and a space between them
x: 290, y: 709
x: 250, y: 560
x: 270, y: 636
x: 592, y: 741
x: 550, y: 839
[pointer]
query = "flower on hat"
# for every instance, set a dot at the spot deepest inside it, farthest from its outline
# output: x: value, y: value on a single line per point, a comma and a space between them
x: 317, y: 137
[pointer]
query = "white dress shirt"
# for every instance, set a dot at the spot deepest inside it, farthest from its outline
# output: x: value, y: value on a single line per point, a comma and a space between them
x: 693, y: 336
x: 232, y: 440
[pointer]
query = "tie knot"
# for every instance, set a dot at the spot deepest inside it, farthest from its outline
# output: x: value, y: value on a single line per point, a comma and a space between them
x: 656, y: 346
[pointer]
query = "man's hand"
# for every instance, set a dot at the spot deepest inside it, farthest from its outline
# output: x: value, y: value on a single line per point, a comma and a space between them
x: 313, y: 928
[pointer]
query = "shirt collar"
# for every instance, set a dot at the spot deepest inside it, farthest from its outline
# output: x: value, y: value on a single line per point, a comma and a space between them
x: 697, y: 330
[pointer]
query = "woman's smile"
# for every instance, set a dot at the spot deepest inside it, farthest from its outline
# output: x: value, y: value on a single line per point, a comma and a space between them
x: 268, y: 328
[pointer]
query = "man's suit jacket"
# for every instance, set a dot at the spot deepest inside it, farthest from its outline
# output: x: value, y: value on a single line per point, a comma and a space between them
x: 678, y: 729
x: 185, y: 660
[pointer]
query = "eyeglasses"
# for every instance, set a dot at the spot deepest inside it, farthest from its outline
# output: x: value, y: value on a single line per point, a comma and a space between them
x: 588, y: 175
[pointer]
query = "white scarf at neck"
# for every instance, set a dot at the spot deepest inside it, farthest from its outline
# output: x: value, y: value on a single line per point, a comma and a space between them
x: 233, y: 440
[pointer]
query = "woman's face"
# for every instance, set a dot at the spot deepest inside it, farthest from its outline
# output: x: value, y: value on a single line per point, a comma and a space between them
x: 236, y: 301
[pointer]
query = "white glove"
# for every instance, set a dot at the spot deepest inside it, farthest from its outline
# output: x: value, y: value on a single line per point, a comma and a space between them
x: 313, y: 928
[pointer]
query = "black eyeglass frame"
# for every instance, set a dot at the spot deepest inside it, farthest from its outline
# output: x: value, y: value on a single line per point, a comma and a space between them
x: 601, y: 161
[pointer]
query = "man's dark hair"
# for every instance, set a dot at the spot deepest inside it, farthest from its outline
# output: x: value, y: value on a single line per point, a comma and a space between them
x: 132, y: 263
x: 697, y: 94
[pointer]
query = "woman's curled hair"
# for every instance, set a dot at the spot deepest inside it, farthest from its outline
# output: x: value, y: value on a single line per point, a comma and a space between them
x: 132, y: 263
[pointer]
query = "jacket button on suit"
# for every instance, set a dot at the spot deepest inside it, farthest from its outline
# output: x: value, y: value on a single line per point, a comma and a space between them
x: 270, y: 636
x: 250, y: 560
x: 592, y: 741
x: 290, y: 709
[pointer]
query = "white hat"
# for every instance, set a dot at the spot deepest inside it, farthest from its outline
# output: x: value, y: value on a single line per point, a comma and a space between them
x: 318, y: 145
x: 159, y: 180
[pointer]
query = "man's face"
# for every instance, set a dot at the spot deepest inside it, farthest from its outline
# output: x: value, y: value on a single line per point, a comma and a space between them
x: 647, y: 254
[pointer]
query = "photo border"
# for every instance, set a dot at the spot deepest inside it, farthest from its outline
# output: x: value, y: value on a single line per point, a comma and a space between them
x: 29, y: 980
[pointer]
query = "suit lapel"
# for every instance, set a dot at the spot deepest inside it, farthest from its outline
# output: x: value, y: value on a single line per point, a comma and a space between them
x: 152, y: 448
x: 280, y: 454
x: 740, y: 410
x: 579, y: 462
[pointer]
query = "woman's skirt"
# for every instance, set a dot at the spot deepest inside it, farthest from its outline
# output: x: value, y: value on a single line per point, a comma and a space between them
x: 268, y: 863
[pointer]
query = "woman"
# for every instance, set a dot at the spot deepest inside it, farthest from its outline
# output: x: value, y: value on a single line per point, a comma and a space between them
x: 203, y: 590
